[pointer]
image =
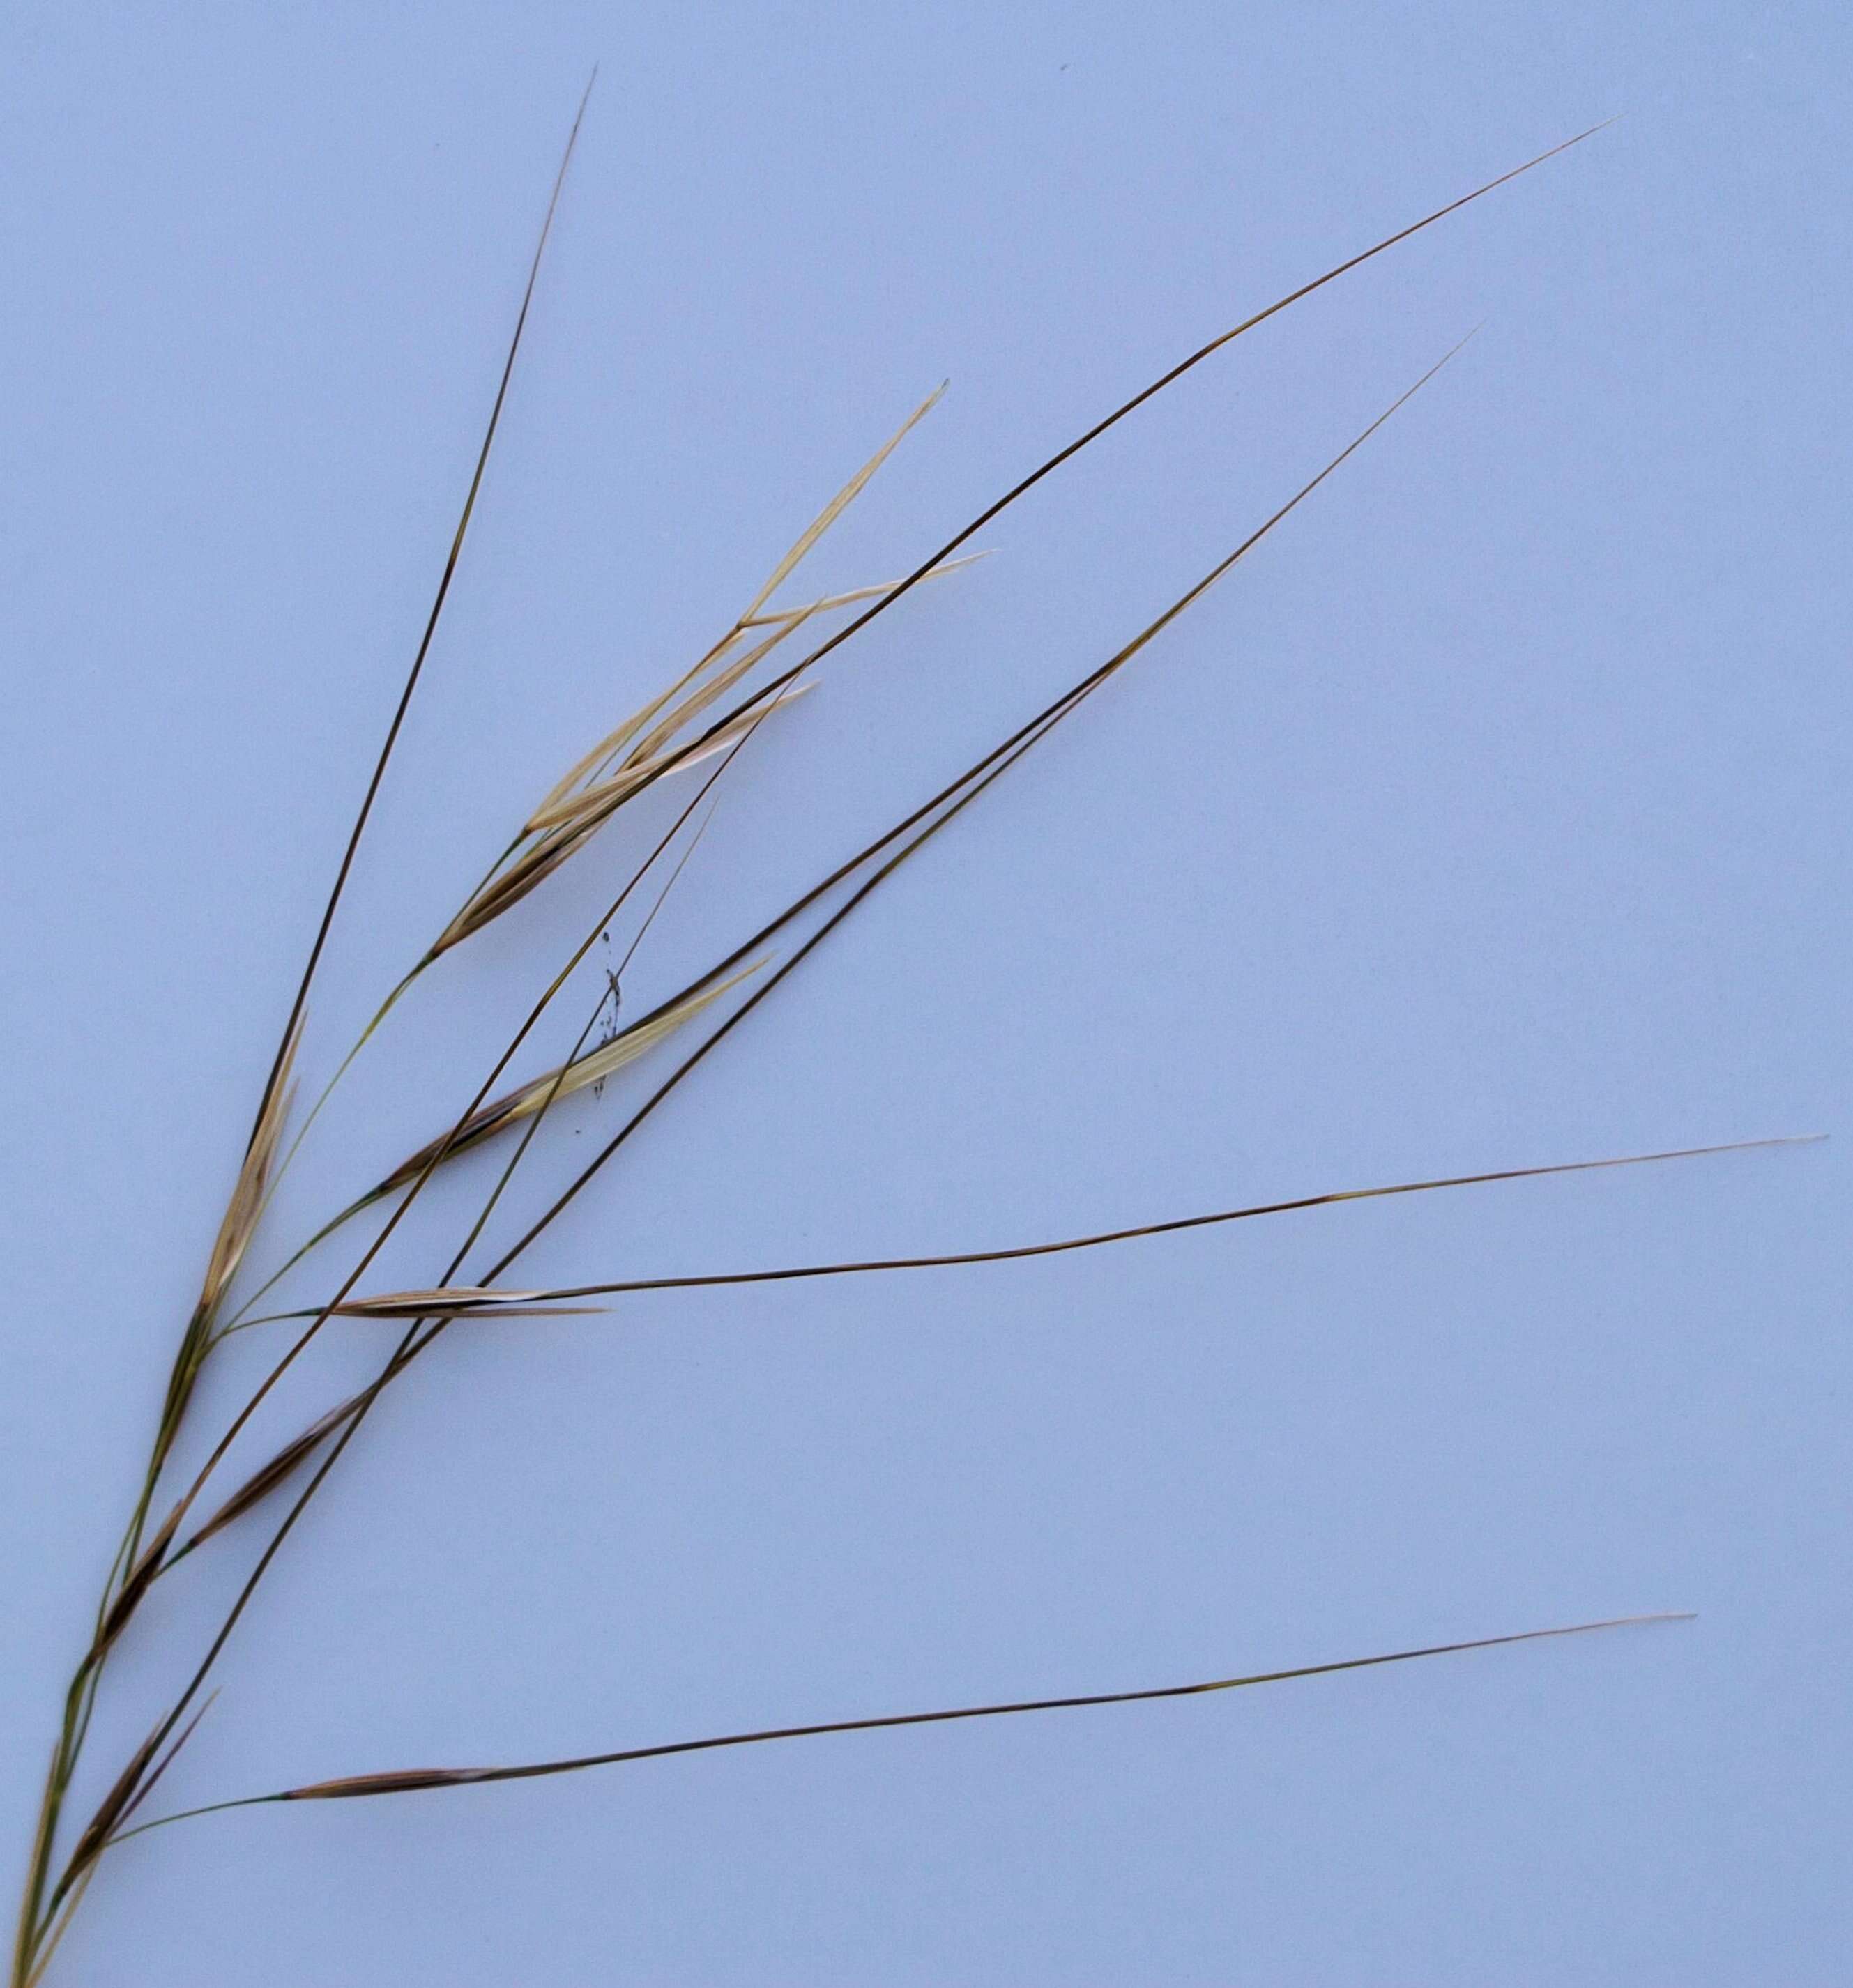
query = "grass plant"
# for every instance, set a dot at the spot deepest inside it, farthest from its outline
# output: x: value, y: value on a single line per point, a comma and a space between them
x: 693, y: 732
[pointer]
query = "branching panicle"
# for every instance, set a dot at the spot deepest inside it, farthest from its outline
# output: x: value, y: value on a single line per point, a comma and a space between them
x: 707, y: 716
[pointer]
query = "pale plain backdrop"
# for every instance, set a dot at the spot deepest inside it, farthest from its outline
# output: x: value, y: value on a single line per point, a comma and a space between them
x: 1493, y: 814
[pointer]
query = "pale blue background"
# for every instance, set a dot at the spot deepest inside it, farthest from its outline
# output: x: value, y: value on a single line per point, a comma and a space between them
x: 1494, y: 815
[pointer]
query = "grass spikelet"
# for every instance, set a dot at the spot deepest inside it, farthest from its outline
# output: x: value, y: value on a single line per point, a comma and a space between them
x: 807, y: 539
x: 830, y: 601
x: 589, y: 807
x: 558, y: 803
x: 239, y: 1225
x: 137, y: 1581
x: 592, y: 1067
x: 456, y: 1301
x: 110, y: 1810
x: 278, y: 1471
x: 242, y: 1213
